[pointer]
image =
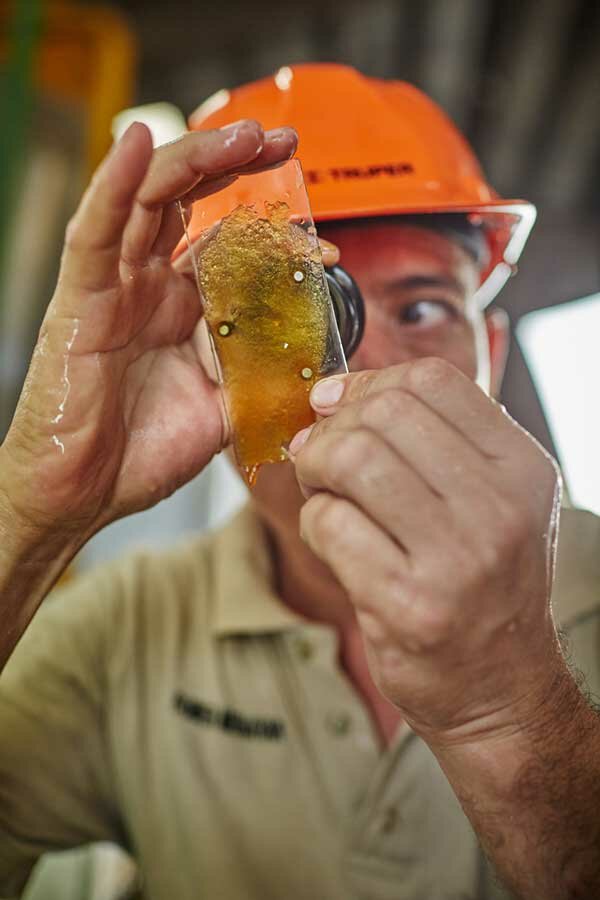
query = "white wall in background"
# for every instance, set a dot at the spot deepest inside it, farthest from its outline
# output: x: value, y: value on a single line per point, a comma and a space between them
x: 561, y: 345
x: 164, y: 120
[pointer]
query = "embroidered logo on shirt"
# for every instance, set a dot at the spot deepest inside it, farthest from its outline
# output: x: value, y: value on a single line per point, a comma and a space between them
x: 229, y: 720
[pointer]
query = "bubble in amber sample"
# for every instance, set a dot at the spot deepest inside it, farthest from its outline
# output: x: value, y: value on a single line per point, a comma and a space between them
x: 267, y: 306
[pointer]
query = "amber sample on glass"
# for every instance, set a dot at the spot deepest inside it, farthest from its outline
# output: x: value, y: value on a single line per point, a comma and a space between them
x: 267, y: 307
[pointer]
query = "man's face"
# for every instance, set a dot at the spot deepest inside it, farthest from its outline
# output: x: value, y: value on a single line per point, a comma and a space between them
x: 418, y: 290
x: 418, y: 287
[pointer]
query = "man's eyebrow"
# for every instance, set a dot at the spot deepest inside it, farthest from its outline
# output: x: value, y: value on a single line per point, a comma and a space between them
x: 411, y: 282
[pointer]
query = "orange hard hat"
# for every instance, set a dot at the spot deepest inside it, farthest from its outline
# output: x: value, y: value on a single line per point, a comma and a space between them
x: 370, y: 147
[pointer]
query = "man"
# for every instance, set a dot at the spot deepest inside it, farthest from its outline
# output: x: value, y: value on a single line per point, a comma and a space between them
x: 282, y: 709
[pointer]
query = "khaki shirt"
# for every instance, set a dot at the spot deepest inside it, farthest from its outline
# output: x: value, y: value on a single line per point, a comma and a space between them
x: 172, y: 704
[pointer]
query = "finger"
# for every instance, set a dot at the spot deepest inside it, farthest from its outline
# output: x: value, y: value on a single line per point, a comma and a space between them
x: 280, y: 145
x: 394, y: 611
x: 177, y: 167
x: 206, y: 188
x: 175, y: 218
x: 359, y: 465
x: 183, y: 263
x: 438, y: 385
x: 450, y: 467
x: 204, y: 349
x: 175, y: 170
x: 156, y: 238
x: 90, y: 260
x: 140, y: 234
x: 330, y: 252
x: 344, y: 538
x: 172, y: 226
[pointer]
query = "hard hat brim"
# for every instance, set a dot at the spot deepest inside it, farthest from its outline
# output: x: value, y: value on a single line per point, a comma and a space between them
x: 507, y: 226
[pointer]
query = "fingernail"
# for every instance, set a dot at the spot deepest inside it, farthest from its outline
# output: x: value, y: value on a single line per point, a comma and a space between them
x: 329, y: 252
x: 133, y: 126
x: 275, y: 135
x: 327, y: 392
x: 300, y: 439
x: 129, y: 130
x: 283, y: 136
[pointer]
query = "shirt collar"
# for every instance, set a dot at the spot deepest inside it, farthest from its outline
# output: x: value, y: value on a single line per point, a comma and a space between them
x: 246, y: 601
x: 245, y: 598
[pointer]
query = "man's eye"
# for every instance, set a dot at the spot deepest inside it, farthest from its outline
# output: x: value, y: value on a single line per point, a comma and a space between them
x: 427, y: 313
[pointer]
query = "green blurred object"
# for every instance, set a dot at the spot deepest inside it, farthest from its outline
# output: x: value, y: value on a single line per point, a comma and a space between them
x: 16, y: 107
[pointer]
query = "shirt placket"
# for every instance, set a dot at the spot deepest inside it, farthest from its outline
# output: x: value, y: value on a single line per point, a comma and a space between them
x: 381, y: 800
x: 335, y: 724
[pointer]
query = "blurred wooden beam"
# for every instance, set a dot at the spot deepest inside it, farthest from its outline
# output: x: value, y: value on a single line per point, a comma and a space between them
x: 368, y: 36
x: 528, y: 71
x: 452, y: 45
x: 568, y: 169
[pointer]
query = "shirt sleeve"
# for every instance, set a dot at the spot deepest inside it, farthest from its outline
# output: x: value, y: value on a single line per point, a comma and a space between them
x: 56, y: 789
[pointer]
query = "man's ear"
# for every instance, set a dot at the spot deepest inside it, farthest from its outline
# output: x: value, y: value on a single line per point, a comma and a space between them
x: 498, y: 332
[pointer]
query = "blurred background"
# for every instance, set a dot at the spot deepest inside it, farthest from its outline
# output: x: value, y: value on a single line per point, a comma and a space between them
x: 520, y: 77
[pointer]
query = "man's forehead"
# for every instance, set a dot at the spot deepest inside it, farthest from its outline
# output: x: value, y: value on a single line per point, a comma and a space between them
x: 388, y: 251
x: 384, y: 233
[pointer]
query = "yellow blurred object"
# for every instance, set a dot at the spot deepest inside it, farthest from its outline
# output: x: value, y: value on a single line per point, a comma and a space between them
x: 87, y: 56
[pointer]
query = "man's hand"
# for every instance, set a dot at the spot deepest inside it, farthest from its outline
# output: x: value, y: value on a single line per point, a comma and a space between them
x: 437, y: 514
x: 117, y: 411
